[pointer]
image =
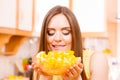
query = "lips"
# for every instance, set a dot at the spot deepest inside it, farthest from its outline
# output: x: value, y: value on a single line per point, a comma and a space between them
x: 57, y: 47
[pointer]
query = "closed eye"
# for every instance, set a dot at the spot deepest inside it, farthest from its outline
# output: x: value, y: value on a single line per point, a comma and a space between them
x: 66, y: 31
x: 51, y: 32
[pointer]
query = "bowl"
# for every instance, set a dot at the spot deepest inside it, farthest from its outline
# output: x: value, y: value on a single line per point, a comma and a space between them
x: 56, y: 62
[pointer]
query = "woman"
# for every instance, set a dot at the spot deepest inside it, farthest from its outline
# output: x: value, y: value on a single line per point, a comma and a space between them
x: 61, y: 31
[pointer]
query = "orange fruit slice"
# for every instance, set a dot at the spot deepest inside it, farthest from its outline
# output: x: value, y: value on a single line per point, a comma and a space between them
x: 56, y: 62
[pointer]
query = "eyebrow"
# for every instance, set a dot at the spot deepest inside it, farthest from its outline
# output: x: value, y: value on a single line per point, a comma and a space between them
x: 50, y: 28
x: 66, y: 28
x: 62, y: 28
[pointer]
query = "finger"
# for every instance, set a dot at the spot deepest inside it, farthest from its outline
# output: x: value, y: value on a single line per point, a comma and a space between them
x: 70, y: 74
x: 73, y: 70
x: 35, y: 67
x: 67, y: 75
x: 78, y: 69
x: 80, y: 65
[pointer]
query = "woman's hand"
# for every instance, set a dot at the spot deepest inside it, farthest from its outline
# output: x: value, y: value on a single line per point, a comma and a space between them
x: 36, y: 66
x: 74, y: 72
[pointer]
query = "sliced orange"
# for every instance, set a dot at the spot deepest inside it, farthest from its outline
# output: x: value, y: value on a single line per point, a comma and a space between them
x: 56, y: 62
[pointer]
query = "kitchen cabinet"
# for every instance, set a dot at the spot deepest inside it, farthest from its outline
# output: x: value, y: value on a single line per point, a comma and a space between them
x: 16, y: 24
x: 8, y: 13
x: 25, y: 15
x: 90, y: 15
x: 9, y: 44
x: 97, y: 19
x: 16, y: 14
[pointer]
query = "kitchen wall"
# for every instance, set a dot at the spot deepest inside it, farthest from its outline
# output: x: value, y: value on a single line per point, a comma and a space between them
x: 7, y: 63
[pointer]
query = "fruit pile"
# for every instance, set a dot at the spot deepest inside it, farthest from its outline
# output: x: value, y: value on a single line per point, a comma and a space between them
x: 56, y: 62
x: 13, y: 77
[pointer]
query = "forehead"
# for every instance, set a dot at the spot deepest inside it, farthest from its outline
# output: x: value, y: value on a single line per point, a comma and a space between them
x: 59, y: 20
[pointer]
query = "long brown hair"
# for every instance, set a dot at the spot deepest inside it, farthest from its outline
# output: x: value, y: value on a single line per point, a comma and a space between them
x: 75, y: 29
x: 76, y: 34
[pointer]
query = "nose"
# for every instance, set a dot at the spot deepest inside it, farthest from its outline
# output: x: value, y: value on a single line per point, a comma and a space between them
x: 58, y: 37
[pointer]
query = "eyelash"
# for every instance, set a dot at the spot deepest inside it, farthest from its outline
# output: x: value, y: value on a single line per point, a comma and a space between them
x: 67, y: 33
x: 64, y: 33
x: 50, y: 34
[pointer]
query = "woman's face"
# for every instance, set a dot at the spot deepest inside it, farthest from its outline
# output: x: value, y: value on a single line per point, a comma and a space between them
x: 59, y: 34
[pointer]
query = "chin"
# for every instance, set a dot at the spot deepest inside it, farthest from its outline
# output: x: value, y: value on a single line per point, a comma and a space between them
x: 60, y: 50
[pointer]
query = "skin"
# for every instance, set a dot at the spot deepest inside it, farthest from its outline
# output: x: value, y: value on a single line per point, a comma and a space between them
x: 59, y: 34
x: 59, y: 38
x: 99, y: 67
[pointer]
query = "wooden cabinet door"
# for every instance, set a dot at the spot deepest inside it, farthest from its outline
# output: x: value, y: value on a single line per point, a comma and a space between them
x: 90, y: 15
x: 8, y: 13
x: 25, y: 15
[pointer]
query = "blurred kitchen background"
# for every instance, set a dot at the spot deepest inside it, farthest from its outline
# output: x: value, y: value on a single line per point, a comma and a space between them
x: 20, y: 26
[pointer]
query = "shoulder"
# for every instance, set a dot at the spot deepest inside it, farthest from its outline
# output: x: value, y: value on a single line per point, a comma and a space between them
x: 99, y: 57
x: 98, y: 62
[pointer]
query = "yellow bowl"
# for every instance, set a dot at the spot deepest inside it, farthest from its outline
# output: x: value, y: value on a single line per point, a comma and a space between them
x: 56, y: 62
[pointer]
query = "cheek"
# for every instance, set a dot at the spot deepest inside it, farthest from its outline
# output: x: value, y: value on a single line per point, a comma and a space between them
x: 68, y: 39
x: 49, y: 39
